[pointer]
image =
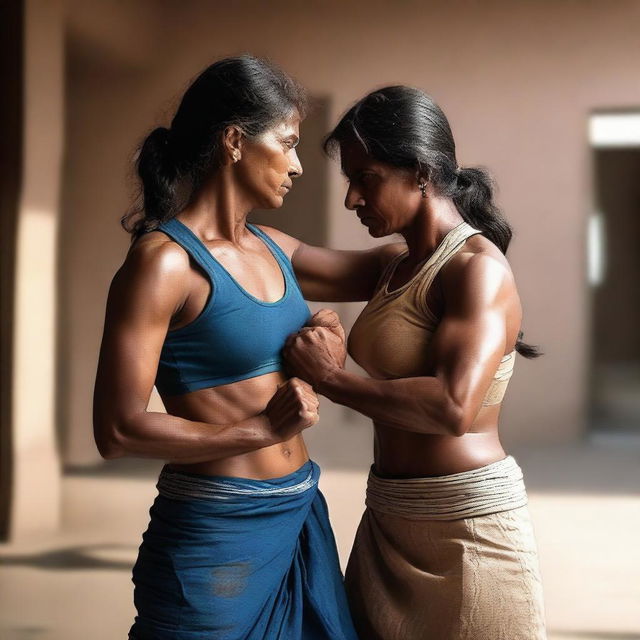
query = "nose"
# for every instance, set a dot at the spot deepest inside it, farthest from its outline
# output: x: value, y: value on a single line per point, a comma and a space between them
x: 295, y: 167
x: 353, y: 200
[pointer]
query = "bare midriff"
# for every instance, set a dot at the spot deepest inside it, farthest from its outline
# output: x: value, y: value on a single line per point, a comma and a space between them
x: 407, y: 454
x: 230, y: 404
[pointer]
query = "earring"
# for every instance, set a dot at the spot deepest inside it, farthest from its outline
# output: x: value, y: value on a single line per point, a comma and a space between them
x: 423, y: 189
x: 236, y: 156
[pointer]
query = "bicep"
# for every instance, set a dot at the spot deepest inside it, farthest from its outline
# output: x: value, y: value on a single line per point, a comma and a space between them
x: 139, y: 308
x: 471, y: 337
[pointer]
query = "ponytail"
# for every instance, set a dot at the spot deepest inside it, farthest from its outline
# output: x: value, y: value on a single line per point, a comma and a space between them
x: 527, y: 350
x: 158, y: 177
x: 473, y: 197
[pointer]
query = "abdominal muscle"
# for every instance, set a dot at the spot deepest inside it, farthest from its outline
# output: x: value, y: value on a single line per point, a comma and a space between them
x: 230, y: 404
x: 407, y: 454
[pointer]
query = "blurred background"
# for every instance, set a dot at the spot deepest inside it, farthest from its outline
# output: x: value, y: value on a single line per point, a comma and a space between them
x: 544, y: 94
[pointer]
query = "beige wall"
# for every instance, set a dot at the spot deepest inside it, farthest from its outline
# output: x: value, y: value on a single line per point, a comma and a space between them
x: 35, y: 501
x: 517, y: 81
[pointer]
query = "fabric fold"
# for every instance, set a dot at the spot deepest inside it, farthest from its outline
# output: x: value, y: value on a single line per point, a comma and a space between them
x: 239, y: 559
x: 447, y: 558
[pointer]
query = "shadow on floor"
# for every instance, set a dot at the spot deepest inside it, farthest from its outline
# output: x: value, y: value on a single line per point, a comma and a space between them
x: 99, y: 556
x: 23, y: 633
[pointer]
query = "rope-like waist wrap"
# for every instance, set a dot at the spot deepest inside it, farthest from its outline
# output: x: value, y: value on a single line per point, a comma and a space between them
x: 186, y: 486
x: 490, y: 489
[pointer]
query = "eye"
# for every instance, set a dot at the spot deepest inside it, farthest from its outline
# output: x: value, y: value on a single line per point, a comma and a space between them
x: 366, y: 178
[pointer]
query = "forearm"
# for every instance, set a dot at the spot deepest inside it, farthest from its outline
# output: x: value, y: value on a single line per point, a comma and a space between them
x: 166, y: 437
x: 420, y: 405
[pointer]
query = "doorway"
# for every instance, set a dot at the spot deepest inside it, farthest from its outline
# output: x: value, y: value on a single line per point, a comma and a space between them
x: 614, y: 274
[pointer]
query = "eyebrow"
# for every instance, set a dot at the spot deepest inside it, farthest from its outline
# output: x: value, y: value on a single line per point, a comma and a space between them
x: 358, y: 172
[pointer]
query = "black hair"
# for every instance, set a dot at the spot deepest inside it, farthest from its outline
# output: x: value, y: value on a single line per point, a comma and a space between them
x: 402, y: 126
x: 173, y: 163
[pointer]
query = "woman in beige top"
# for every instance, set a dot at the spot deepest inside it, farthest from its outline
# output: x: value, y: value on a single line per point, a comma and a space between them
x: 445, y: 548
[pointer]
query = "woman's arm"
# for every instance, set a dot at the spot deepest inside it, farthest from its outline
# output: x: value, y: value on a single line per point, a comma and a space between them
x: 464, y: 354
x: 145, y: 293
x: 333, y: 275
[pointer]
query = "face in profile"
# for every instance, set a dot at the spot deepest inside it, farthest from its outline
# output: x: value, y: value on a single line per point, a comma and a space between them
x: 385, y: 198
x: 270, y: 163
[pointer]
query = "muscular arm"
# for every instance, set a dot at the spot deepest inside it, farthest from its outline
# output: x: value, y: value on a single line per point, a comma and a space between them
x: 464, y: 354
x: 144, y: 295
x: 333, y: 275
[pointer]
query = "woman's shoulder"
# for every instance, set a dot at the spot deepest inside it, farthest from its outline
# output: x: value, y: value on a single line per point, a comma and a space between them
x: 155, y: 258
x: 478, y: 269
x: 157, y: 250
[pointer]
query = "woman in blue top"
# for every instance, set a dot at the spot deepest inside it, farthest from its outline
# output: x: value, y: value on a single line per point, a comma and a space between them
x: 239, y: 544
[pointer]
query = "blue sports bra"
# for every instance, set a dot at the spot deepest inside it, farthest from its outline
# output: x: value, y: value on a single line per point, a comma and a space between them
x: 236, y: 336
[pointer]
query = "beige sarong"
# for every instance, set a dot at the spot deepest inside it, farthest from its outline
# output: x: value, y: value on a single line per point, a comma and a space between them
x: 447, y: 558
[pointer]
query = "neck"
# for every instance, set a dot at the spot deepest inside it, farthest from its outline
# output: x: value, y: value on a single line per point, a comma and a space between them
x: 217, y: 211
x: 436, y: 218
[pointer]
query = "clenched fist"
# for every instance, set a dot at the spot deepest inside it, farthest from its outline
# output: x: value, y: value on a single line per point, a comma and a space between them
x: 318, y: 349
x: 328, y: 318
x: 293, y: 407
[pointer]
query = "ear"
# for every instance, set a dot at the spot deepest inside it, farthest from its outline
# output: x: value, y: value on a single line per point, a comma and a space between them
x: 422, y: 182
x: 232, y: 140
x: 422, y: 175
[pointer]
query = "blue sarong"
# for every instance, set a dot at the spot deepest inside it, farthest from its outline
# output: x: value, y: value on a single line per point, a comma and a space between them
x: 239, y: 559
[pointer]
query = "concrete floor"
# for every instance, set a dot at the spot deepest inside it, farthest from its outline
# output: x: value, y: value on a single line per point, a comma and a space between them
x: 585, y: 502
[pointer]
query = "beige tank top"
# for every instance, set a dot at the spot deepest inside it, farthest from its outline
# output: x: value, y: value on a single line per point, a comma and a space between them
x: 390, y: 337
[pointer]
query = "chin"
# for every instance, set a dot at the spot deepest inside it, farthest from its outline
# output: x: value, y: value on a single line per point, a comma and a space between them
x: 274, y: 202
x: 377, y: 233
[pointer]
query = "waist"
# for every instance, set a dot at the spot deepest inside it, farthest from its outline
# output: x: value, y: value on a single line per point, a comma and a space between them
x: 179, y: 485
x: 408, y: 454
x: 489, y: 489
x: 232, y: 404
x: 269, y: 462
